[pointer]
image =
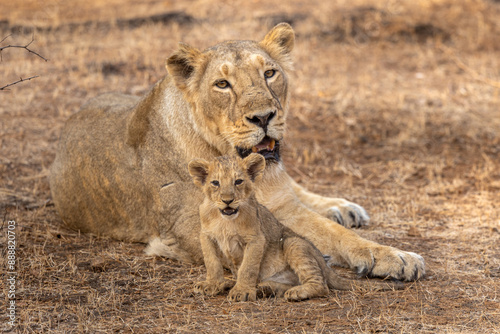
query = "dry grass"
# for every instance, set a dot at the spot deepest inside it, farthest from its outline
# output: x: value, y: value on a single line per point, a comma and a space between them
x: 395, y: 106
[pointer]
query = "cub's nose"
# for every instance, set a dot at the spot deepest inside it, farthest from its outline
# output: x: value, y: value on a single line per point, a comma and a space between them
x: 228, y: 201
x: 262, y: 120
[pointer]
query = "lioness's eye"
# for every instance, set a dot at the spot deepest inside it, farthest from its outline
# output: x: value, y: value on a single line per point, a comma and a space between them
x: 222, y: 84
x: 269, y: 73
x: 238, y: 182
x: 215, y: 183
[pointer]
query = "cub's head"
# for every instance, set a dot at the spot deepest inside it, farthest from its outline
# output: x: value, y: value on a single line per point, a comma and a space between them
x: 238, y: 91
x: 227, y: 181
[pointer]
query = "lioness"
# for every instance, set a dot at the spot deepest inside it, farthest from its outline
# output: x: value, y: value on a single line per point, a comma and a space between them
x: 258, y: 248
x: 121, y: 165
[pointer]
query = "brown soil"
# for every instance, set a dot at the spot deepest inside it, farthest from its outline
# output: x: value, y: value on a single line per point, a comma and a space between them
x: 396, y: 106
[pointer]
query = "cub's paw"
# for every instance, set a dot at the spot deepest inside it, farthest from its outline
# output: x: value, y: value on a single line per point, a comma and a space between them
x: 388, y: 262
x: 242, y: 294
x: 348, y: 215
x: 212, y: 288
x: 271, y: 288
x: 306, y: 291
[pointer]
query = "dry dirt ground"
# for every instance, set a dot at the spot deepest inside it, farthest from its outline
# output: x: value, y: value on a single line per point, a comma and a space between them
x: 396, y: 106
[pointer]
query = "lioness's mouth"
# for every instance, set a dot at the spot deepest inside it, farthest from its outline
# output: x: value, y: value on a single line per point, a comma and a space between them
x: 268, y: 147
x: 229, y: 211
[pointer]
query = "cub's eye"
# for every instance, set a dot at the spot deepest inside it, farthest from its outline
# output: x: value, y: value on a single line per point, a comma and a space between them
x: 238, y: 182
x: 215, y: 183
x: 222, y: 84
x: 269, y: 74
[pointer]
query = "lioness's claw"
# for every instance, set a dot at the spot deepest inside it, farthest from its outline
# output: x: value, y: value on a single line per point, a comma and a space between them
x: 349, y: 215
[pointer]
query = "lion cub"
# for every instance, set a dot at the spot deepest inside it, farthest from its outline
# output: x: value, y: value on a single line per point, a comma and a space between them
x: 263, y: 254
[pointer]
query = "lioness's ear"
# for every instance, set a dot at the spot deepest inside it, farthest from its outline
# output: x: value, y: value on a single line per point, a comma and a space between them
x: 182, y: 64
x: 198, y: 169
x: 255, y: 164
x: 279, y: 42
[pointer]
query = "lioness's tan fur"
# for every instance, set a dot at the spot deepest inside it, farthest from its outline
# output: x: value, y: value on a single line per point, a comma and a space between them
x: 259, y: 249
x: 120, y: 168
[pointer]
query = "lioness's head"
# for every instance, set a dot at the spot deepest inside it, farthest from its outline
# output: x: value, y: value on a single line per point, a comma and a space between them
x: 238, y: 91
x: 227, y: 181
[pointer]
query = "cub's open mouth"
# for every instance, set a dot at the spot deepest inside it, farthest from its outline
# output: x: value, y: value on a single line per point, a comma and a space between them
x: 268, y: 147
x: 229, y: 211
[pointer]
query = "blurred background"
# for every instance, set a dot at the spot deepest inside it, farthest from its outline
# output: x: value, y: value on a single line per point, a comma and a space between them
x: 395, y: 105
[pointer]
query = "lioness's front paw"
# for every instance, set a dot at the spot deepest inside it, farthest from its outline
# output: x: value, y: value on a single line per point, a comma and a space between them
x: 406, y: 266
x: 212, y: 288
x: 348, y: 215
x: 388, y: 262
x: 242, y: 294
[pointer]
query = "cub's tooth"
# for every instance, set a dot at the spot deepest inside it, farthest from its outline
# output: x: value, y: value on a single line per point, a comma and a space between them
x: 271, y: 145
x: 254, y: 149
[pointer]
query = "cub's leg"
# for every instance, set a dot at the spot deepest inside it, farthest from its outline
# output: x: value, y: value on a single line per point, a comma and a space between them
x: 301, y: 259
x: 215, y: 282
x: 345, y: 213
x: 245, y: 288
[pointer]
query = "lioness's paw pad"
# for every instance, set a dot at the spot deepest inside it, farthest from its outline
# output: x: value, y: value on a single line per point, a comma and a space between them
x: 349, y: 215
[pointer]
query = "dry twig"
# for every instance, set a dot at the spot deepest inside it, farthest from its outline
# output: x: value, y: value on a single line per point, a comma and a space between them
x: 18, y: 81
x: 26, y: 47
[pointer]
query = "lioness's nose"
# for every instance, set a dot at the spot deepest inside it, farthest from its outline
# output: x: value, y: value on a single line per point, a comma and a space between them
x: 228, y: 201
x: 262, y: 120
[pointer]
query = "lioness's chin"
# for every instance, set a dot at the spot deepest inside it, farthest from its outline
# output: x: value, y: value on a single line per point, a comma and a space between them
x: 269, y: 148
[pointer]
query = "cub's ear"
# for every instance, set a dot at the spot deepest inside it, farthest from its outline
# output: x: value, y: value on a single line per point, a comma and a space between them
x: 255, y: 164
x: 183, y: 63
x: 198, y: 169
x: 279, y: 42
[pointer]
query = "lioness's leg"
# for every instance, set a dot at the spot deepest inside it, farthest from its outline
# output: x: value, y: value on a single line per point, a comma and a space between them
x: 340, y: 210
x: 178, y: 226
x: 346, y: 248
